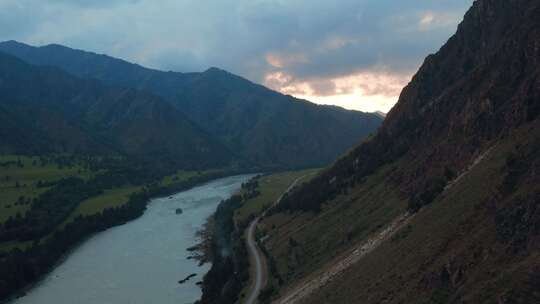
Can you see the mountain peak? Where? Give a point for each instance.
(214, 70)
(56, 45)
(14, 44)
(246, 117)
(380, 114)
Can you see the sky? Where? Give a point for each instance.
(357, 54)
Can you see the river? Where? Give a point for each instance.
(141, 261)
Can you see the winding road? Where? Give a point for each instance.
(257, 262)
(257, 259)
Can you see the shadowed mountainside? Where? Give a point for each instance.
(265, 127)
(459, 156)
(46, 110)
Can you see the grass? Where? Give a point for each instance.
(391, 273)
(271, 187)
(318, 238)
(8, 246)
(457, 230)
(21, 181)
(180, 176)
(117, 197)
(109, 199)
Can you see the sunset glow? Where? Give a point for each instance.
(364, 91)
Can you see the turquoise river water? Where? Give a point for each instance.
(142, 261)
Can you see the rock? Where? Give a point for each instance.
(187, 278)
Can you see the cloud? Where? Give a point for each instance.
(93, 3)
(363, 90)
(287, 42)
(284, 60)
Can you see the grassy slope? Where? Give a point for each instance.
(109, 199)
(271, 187)
(27, 177)
(323, 236)
(457, 231)
(396, 265)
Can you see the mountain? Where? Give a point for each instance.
(381, 114)
(46, 110)
(442, 205)
(263, 126)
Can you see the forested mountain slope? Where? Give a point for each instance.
(459, 155)
(265, 127)
(46, 110)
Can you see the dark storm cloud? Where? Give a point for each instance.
(93, 3)
(356, 35)
(315, 40)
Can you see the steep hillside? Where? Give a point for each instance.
(264, 126)
(458, 157)
(482, 84)
(46, 110)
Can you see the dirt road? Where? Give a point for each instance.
(257, 259)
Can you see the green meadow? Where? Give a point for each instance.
(24, 178)
(271, 187)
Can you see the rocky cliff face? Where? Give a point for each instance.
(481, 85)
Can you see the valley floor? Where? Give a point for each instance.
(48, 204)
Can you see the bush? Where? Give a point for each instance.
(432, 188)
